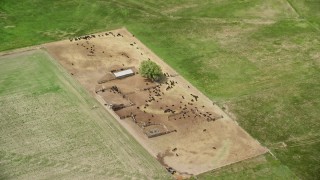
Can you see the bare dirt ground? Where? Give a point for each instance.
(200, 136)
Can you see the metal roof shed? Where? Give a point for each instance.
(124, 73)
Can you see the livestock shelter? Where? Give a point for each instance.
(124, 73)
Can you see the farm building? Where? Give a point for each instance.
(124, 73)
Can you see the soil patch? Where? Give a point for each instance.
(170, 115)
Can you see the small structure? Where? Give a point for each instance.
(124, 73)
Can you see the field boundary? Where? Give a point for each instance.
(20, 50)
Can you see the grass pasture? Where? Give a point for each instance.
(258, 58)
(49, 128)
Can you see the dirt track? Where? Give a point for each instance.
(198, 145)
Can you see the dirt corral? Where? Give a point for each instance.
(174, 121)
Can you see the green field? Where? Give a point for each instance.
(50, 130)
(259, 58)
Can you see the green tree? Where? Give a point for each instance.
(150, 70)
